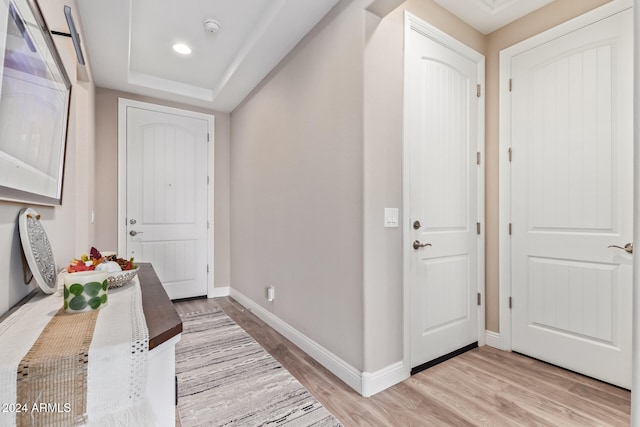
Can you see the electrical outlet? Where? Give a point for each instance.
(271, 293)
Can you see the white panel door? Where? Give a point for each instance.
(167, 198)
(441, 130)
(572, 197)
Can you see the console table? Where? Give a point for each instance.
(165, 328)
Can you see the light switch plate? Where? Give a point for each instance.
(391, 217)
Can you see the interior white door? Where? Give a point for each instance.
(167, 197)
(572, 197)
(442, 133)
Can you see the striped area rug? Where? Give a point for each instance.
(225, 378)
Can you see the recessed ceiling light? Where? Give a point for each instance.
(182, 48)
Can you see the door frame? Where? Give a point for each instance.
(123, 104)
(413, 24)
(504, 340)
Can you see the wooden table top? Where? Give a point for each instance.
(163, 321)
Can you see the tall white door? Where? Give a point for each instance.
(442, 116)
(572, 197)
(167, 205)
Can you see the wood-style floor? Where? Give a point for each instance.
(483, 387)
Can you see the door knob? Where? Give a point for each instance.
(134, 232)
(627, 248)
(418, 245)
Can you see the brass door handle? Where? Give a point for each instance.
(627, 248)
(418, 245)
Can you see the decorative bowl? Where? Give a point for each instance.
(120, 278)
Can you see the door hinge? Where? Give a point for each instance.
(207, 268)
(479, 298)
(478, 228)
(208, 180)
(208, 137)
(479, 91)
(510, 302)
(208, 225)
(510, 228)
(478, 158)
(510, 151)
(510, 85)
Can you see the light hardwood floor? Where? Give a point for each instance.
(483, 387)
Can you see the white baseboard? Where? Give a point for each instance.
(492, 339)
(365, 383)
(375, 382)
(219, 291)
(347, 373)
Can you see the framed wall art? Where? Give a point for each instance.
(35, 95)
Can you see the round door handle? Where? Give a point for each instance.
(418, 245)
(134, 232)
(627, 248)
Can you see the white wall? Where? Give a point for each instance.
(296, 187)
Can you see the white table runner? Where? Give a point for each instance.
(116, 372)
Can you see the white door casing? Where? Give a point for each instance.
(443, 175)
(166, 207)
(571, 192)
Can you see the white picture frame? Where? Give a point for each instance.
(35, 94)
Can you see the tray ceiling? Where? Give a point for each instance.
(487, 16)
(129, 44)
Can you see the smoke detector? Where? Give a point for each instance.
(211, 25)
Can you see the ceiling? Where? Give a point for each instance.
(129, 43)
(487, 16)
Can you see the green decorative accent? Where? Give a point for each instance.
(92, 288)
(95, 302)
(76, 289)
(78, 302)
(79, 297)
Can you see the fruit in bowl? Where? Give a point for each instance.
(119, 270)
(109, 266)
(96, 261)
